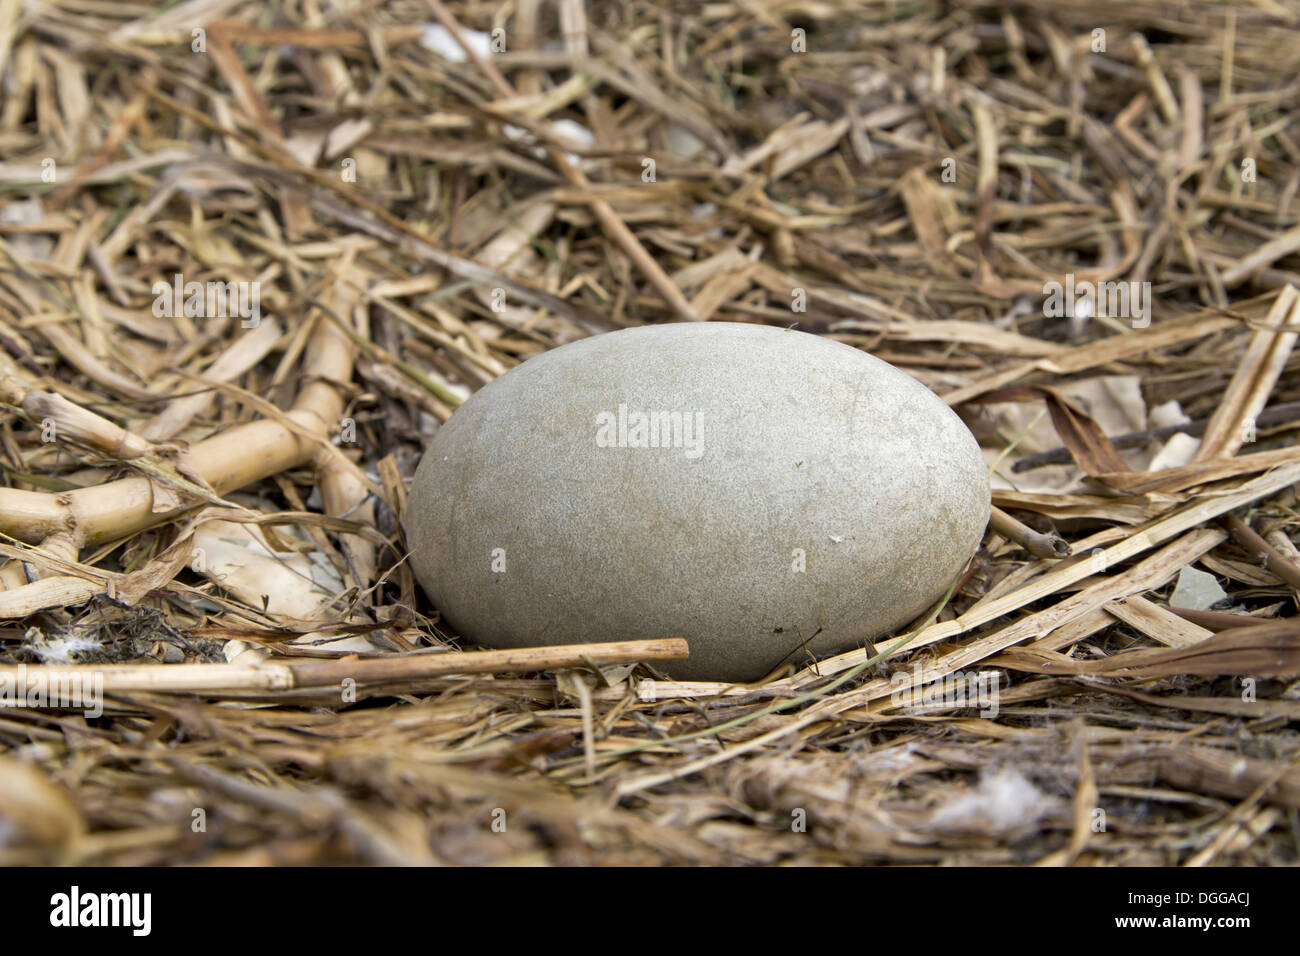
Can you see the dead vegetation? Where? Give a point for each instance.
(211, 504)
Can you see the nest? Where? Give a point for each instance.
(251, 255)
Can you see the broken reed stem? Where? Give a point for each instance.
(225, 678)
(1218, 620)
(1281, 414)
(1270, 558)
(71, 421)
(1035, 542)
(237, 457)
(440, 392)
(1258, 371)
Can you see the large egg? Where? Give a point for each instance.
(771, 496)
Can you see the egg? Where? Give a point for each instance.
(770, 495)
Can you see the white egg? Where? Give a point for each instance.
(678, 480)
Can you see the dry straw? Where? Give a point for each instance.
(202, 512)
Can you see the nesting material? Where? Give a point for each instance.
(910, 180)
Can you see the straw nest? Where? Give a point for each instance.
(203, 506)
